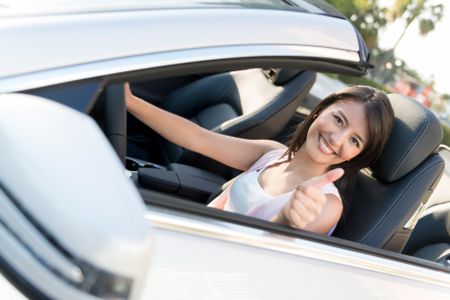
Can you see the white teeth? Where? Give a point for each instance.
(323, 146)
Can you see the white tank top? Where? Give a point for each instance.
(246, 195)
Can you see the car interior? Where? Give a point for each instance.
(430, 239)
(253, 103)
(393, 195)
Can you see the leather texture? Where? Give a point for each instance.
(431, 236)
(439, 253)
(380, 210)
(417, 133)
(432, 228)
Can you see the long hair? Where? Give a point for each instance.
(380, 120)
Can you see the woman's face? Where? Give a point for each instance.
(338, 134)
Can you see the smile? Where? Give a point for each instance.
(324, 147)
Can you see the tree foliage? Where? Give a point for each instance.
(369, 17)
(409, 11)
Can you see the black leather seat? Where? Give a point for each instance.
(387, 201)
(430, 238)
(252, 103)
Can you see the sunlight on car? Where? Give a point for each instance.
(218, 149)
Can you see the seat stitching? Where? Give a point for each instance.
(383, 220)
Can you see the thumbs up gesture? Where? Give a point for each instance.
(307, 201)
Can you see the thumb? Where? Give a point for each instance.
(328, 177)
(334, 174)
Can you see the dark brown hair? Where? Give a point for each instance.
(380, 120)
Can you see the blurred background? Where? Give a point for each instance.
(408, 43)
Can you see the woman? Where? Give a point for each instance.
(290, 185)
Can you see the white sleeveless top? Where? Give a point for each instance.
(246, 195)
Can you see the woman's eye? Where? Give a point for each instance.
(355, 142)
(338, 120)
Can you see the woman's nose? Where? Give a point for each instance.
(337, 137)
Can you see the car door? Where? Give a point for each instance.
(197, 257)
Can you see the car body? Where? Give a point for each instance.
(70, 55)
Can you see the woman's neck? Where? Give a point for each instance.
(304, 167)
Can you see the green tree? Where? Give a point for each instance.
(408, 11)
(368, 17)
(425, 13)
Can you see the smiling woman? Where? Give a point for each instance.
(290, 185)
(341, 131)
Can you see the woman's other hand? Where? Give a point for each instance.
(129, 98)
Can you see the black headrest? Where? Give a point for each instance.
(280, 76)
(416, 134)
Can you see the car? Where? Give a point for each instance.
(97, 206)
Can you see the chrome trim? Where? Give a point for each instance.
(414, 218)
(258, 238)
(443, 147)
(127, 64)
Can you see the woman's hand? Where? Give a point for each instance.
(307, 201)
(129, 97)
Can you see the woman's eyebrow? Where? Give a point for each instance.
(342, 114)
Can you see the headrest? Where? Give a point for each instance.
(280, 76)
(416, 134)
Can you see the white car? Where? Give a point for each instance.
(94, 205)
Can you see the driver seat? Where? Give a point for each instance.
(389, 198)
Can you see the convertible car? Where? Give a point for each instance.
(95, 205)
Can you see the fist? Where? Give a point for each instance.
(308, 200)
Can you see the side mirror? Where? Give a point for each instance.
(71, 224)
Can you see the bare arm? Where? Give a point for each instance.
(235, 152)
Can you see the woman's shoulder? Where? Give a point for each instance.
(269, 157)
(274, 153)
